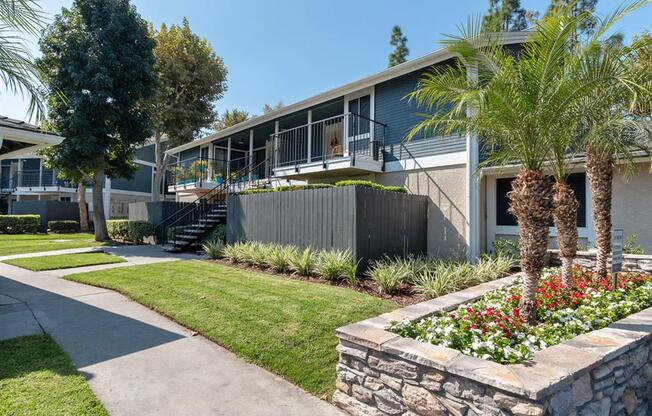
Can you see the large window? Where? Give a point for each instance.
(577, 182)
(362, 107)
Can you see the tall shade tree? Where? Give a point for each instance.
(401, 51)
(99, 56)
(507, 16)
(230, 118)
(515, 105)
(17, 70)
(577, 8)
(191, 77)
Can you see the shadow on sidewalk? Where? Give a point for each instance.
(87, 332)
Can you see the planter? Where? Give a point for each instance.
(631, 262)
(604, 372)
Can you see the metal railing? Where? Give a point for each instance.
(171, 227)
(347, 135)
(35, 179)
(198, 171)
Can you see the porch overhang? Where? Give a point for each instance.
(329, 169)
(18, 138)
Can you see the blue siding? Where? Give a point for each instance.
(190, 153)
(147, 153)
(401, 115)
(141, 182)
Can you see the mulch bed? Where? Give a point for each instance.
(404, 296)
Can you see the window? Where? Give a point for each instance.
(577, 182)
(65, 199)
(362, 107)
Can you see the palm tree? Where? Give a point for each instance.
(17, 70)
(516, 105)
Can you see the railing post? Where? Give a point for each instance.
(355, 134)
(309, 136)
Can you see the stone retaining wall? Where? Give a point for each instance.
(586, 259)
(605, 372)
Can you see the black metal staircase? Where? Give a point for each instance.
(187, 227)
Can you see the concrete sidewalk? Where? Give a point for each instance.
(138, 362)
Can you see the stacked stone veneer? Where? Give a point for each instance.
(631, 262)
(605, 372)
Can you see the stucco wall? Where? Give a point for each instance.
(446, 190)
(632, 205)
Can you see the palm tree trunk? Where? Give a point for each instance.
(565, 208)
(83, 208)
(531, 203)
(599, 169)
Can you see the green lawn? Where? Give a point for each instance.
(284, 325)
(38, 378)
(64, 261)
(31, 243)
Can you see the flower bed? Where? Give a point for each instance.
(492, 329)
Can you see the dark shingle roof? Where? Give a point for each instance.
(12, 123)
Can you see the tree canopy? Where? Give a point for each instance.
(507, 15)
(191, 77)
(230, 118)
(98, 65)
(401, 51)
(268, 108)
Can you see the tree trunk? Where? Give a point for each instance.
(161, 165)
(101, 233)
(531, 203)
(599, 169)
(565, 208)
(83, 208)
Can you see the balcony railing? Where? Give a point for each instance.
(348, 135)
(35, 180)
(200, 171)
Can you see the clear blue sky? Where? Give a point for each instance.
(288, 50)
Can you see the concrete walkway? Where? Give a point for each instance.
(138, 362)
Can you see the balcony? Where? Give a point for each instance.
(341, 145)
(41, 181)
(199, 174)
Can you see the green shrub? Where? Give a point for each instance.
(335, 264)
(504, 246)
(437, 281)
(284, 188)
(234, 252)
(217, 233)
(19, 224)
(213, 249)
(129, 231)
(370, 184)
(278, 257)
(389, 274)
(631, 246)
(492, 267)
(303, 262)
(64, 226)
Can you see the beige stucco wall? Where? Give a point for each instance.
(446, 189)
(632, 204)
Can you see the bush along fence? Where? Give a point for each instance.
(64, 226)
(445, 357)
(368, 221)
(129, 231)
(19, 224)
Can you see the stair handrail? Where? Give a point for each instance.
(194, 205)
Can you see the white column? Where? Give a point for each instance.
(211, 161)
(309, 135)
(228, 159)
(107, 198)
(472, 184)
(40, 174)
(20, 172)
(251, 154)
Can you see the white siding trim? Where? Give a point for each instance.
(435, 161)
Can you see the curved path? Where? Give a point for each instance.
(138, 362)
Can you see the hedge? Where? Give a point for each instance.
(19, 224)
(130, 231)
(63, 226)
(368, 184)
